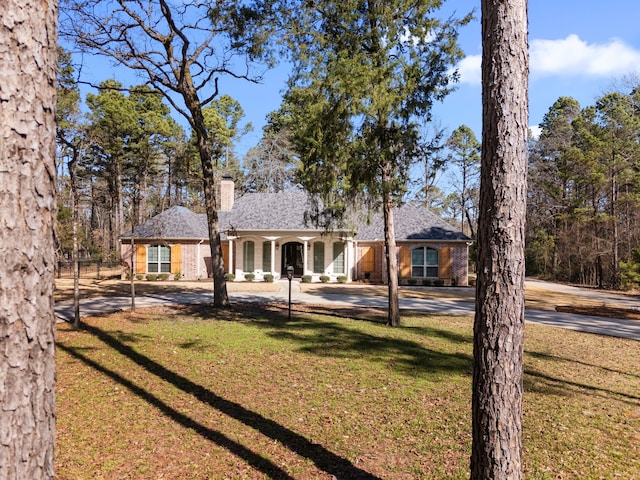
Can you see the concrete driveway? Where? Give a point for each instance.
(598, 325)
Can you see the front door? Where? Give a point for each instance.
(293, 254)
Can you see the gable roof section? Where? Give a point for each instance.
(284, 211)
(268, 211)
(412, 223)
(174, 223)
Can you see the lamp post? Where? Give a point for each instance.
(290, 277)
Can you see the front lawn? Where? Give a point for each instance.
(193, 393)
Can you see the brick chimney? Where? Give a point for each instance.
(226, 193)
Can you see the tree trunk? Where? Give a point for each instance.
(615, 243)
(73, 164)
(118, 212)
(190, 97)
(220, 296)
(472, 232)
(27, 199)
(144, 183)
(393, 315)
(499, 319)
(132, 273)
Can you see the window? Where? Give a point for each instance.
(318, 257)
(424, 262)
(266, 256)
(247, 256)
(159, 259)
(338, 258)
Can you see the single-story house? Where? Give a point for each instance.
(263, 233)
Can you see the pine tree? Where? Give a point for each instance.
(365, 72)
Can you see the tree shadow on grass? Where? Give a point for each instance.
(557, 358)
(461, 338)
(326, 338)
(324, 459)
(336, 339)
(548, 385)
(329, 339)
(255, 460)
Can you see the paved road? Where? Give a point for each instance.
(606, 297)
(598, 325)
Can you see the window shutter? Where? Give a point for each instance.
(176, 259)
(445, 263)
(141, 259)
(405, 262)
(225, 258)
(368, 259)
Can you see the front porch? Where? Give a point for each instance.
(309, 256)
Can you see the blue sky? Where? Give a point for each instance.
(578, 48)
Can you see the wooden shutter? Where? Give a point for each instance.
(368, 259)
(444, 257)
(225, 258)
(176, 259)
(405, 262)
(141, 259)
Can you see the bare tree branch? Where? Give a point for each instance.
(180, 49)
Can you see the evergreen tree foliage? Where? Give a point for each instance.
(464, 155)
(271, 165)
(584, 192)
(364, 73)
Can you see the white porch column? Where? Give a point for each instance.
(305, 256)
(347, 259)
(230, 267)
(273, 257)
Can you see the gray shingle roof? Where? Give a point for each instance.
(174, 223)
(284, 211)
(412, 223)
(268, 211)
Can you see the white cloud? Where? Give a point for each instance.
(469, 69)
(567, 57)
(572, 56)
(535, 131)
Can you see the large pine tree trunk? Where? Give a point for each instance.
(499, 320)
(28, 31)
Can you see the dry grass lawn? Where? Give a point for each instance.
(242, 393)
(193, 393)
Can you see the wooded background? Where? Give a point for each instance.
(134, 161)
